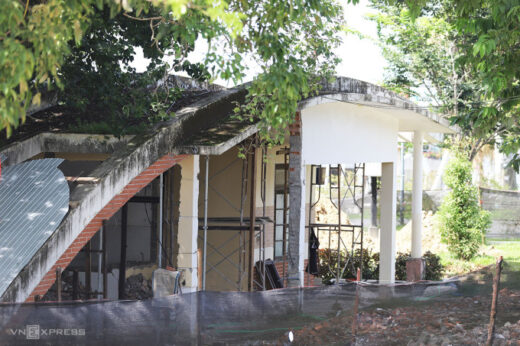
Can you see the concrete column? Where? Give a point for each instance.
(387, 222)
(415, 265)
(417, 194)
(296, 250)
(189, 221)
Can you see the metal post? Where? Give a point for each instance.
(339, 225)
(494, 303)
(401, 209)
(309, 229)
(75, 279)
(88, 271)
(58, 282)
(263, 195)
(100, 258)
(105, 283)
(205, 224)
(161, 178)
(362, 218)
(252, 217)
(241, 240)
(122, 261)
(284, 232)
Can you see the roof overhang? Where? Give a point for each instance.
(410, 116)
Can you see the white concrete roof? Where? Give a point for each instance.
(369, 98)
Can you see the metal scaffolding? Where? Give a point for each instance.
(346, 187)
(241, 229)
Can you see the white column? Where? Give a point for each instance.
(189, 221)
(387, 222)
(417, 194)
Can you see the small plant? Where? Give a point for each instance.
(462, 222)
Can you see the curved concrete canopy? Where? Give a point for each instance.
(375, 99)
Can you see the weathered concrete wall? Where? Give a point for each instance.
(129, 169)
(504, 207)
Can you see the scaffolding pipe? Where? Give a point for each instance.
(105, 281)
(100, 254)
(205, 225)
(401, 207)
(252, 217)
(161, 179)
(122, 260)
(339, 225)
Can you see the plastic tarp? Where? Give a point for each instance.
(201, 317)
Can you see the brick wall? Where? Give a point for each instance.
(139, 182)
(308, 278)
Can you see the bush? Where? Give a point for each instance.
(328, 265)
(328, 259)
(434, 269)
(462, 222)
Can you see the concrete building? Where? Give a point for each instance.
(181, 196)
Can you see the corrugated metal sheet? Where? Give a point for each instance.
(34, 198)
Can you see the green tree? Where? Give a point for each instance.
(462, 221)
(425, 60)
(486, 34)
(43, 43)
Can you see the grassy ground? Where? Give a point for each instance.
(509, 249)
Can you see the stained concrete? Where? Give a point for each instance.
(130, 156)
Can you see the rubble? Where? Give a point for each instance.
(137, 287)
(446, 321)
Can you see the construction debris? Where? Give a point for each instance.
(451, 321)
(137, 287)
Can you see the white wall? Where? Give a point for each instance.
(339, 132)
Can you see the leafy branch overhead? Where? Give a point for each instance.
(462, 58)
(84, 48)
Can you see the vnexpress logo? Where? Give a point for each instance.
(34, 332)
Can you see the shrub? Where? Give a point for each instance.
(434, 269)
(462, 222)
(328, 259)
(328, 265)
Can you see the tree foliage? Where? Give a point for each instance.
(462, 221)
(482, 36)
(427, 59)
(84, 47)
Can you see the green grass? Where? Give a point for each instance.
(510, 250)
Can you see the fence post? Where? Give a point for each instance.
(496, 282)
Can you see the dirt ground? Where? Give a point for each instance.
(448, 321)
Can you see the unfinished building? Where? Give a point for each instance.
(182, 198)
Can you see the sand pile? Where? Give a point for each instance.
(326, 212)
